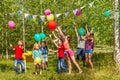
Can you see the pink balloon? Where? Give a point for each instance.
(47, 12)
(11, 24)
(78, 12)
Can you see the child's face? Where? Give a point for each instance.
(59, 42)
(20, 43)
(43, 44)
(37, 47)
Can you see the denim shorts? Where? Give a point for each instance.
(88, 51)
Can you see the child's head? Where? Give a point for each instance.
(20, 43)
(60, 41)
(69, 38)
(43, 43)
(36, 46)
(92, 35)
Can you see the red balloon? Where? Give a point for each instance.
(52, 25)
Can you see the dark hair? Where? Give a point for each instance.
(44, 42)
(69, 38)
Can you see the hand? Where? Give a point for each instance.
(50, 35)
(74, 23)
(86, 26)
(10, 45)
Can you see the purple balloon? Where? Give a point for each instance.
(47, 12)
(11, 24)
(78, 12)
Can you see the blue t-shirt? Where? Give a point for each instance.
(44, 50)
(37, 54)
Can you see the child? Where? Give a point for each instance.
(18, 57)
(66, 43)
(89, 49)
(37, 54)
(44, 50)
(81, 45)
(61, 49)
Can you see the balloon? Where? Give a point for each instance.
(52, 25)
(107, 13)
(37, 37)
(47, 12)
(81, 31)
(42, 35)
(11, 24)
(50, 17)
(37, 60)
(78, 12)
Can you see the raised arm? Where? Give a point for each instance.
(54, 34)
(75, 29)
(53, 41)
(86, 28)
(60, 32)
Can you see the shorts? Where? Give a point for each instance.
(88, 51)
(80, 53)
(70, 53)
(44, 58)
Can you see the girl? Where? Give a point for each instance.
(44, 50)
(18, 57)
(89, 49)
(66, 43)
(81, 45)
(37, 54)
(61, 49)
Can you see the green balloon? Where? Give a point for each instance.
(81, 31)
(107, 13)
(37, 37)
(42, 35)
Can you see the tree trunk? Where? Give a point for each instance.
(116, 36)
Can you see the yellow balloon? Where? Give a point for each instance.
(37, 60)
(50, 17)
(45, 23)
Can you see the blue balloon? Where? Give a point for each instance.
(37, 37)
(81, 31)
(42, 35)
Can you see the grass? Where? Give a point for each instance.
(104, 69)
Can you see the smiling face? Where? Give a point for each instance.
(36, 46)
(20, 43)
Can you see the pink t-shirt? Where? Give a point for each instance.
(66, 45)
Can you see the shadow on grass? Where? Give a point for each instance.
(5, 67)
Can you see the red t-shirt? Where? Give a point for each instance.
(18, 52)
(61, 50)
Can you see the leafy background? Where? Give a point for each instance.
(101, 25)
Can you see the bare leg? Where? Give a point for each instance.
(75, 63)
(69, 65)
(90, 62)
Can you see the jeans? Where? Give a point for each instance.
(16, 62)
(61, 65)
(80, 52)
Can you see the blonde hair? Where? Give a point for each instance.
(21, 42)
(35, 45)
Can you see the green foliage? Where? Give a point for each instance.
(92, 16)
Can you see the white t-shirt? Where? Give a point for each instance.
(81, 43)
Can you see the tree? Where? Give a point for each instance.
(116, 36)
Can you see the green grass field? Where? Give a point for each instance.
(104, 69)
